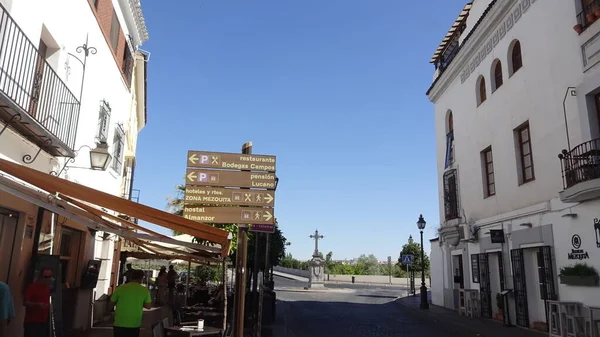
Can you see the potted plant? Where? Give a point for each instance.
(578, 28)
(579, 274)
(591, 17)
(499, 315)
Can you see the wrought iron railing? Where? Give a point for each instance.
(589, 14)
(30, 83)
(580, 164)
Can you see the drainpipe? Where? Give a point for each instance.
(573, 92)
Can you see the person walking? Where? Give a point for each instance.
(37, 305)
(130, 299)
(171, 282)
(161, 285)
(127, 273)
(7, 308)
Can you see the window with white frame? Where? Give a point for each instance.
(103, 122)
(118, 148)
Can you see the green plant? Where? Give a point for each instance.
(578, 269)
(500, 301)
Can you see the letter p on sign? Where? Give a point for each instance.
(204, 159)
(203, 177)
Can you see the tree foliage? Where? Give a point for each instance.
(363, 265)
(414, 249)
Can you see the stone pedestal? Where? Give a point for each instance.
(317, 273)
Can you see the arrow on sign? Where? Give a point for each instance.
(268, 216)
(268, 198)
(193, 158)
(191, 176)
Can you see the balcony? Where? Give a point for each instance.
(34, 101)
(581, 172)
(589, 14)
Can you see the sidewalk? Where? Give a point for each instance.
(464, 325)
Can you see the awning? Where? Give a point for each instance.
(76, 192)
(454, 29)
(167, 247)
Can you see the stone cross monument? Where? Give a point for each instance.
(317, 265)
(316, 237)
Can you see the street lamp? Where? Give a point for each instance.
(100, 157)
(424, 301)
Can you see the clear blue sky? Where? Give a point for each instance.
(334, 88)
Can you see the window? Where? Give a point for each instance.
(526, 158)
(118, 147)
(488, 169)
(127, 65)
(451, 195)
(449, 141)
(498, 81)
(516, 57)
(114, 31)
(481, 93)
(103, 122)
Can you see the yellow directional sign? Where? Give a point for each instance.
(228, 196)
(243, 215)
(231, 161)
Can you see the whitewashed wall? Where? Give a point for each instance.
(551, 55)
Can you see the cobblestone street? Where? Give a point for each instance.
(371, 311)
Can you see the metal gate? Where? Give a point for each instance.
(485, 286)
(547, 284)
(520, 288)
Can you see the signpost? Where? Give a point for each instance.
(233, 188)
(407, 260)
(199, 177)
(231, 161)
(228, 196)
(251, 215)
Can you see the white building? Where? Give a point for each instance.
(53, 109)
(514, 85)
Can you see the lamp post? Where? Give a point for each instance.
(424, 301)
(100, 157)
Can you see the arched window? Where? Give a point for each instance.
(481, 93)
(516, 58)
(498, 80)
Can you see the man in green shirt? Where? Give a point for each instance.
(130, 299)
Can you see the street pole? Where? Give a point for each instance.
(424, 300)
(390, 267)
(257, 237)
(240, 269)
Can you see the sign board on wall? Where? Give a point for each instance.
(577, 253)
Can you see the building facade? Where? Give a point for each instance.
(514, 87)
(72, 82)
